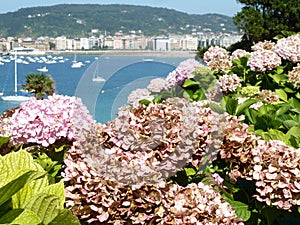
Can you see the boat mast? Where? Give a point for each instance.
(16, 78)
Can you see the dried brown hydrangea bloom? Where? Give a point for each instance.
(294, 77)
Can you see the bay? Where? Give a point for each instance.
(122, 74)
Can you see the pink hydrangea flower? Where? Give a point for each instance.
(46, 121)
(264, 60)
(289, 48)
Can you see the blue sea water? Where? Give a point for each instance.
(123, 74)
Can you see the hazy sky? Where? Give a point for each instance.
(226, 7)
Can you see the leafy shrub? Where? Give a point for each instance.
(26, 195)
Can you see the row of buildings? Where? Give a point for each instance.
(122, 42)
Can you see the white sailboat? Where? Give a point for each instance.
(96, 76)
(17, 97)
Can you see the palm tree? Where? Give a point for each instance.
(40, 84)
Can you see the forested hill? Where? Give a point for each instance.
(79, 19)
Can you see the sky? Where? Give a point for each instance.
(225, 7)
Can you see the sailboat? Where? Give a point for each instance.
(96, 76)
(18, 96)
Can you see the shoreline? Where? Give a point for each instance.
(147, 53)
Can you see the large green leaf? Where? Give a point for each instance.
(20, 216)
(45, 206)
(274, 134)
(231, 106)
(281, 94)
(241, 107)
(65, 217)
(57, 189)
(288, 124)
(11, 188)
(190, 83)
(216, 108)
(16, 163)
(3, 172)
(241, 209)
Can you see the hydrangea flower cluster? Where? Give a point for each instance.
(157, 85)
(263, 60)
(137, 95)
(238, 53)
(96, 200)
(218, 59)
(184, 71)
(278, 181)
(46, 121)
(263, 45)
(5, 123)
(229, 82)
(289, 48)
(294, 77)
(268, 96)
(149, 143)
(250, 91)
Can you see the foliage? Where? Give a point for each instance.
(78, 20)
(26, 195)
(39, 84)
(263, 20)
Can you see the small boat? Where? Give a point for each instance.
(43, 69)
(96, 76)
(18, 96)
(77, 65)
(98, 79)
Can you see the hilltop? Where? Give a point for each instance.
(78, 20)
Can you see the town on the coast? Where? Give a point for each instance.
(135, 40)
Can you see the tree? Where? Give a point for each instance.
(264, 19)
(39, 84)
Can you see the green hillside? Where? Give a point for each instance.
(77, 20)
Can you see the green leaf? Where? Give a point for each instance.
(20, 216)
(45, 206)
(288, 90)
(11, 188)
(281, 94)
(4, 140)
(57, 189)
(190, 83)
(190, 171)
(294, 131)
(61, 148)
(241, 107)
(282, 110)
(145, 102)
(199, 95)
(216, 108)
(251, 115)
(16, 163)
(65, 217)
(274, 135)
(231, 106)
(3, 172)
(241, 209)
(188, 94)
(288, 124)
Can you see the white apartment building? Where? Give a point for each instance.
(190, 43)
(161, 44)
(175, 43)
(61, 43)
(84, 43)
